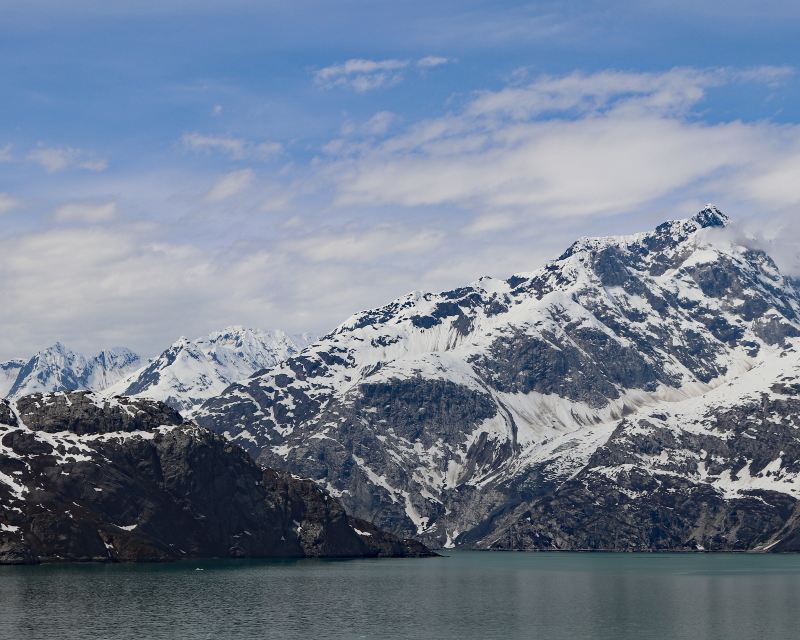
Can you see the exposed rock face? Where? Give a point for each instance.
(445, 416)
(82, 478)
(721, 472)
(83, 413)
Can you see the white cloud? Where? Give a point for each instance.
(86, 212)
(6, 154)
(353, 133)
(7, 203)
(379, 123)
(230, 185)
(93, 165)
(266, 150)
(490, 222)
(364, 246)
(432, 61)
(673, 91)
(363, 75)
(236, 148)
(277, 200)
(99, 286)
(55, 159)
(577, 145)
(496, 185)
(90, 284)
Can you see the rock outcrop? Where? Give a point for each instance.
(716, 473)
(90, 479)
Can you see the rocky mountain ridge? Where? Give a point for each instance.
(184, 375)
(451, 416)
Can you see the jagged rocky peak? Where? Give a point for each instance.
(711, 216)
(659, 244)
(187, 372)
(436, 412)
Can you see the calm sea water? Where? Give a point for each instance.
(466, 595)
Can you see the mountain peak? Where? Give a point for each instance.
(500, 385)
(711, 216)
(190, 371)
(57, 347)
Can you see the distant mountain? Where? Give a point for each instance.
(58, 368)
(638, 392)
(9, 371)
(191, 371)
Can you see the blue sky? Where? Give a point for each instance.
(172, 167)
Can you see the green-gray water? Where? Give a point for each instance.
(466, 595)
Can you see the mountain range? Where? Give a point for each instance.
(639, 392)
(58, 368)
(184, 375)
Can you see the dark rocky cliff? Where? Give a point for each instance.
(127, 480)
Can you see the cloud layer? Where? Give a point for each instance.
(580, 145)
(495, 182)
(56, 159)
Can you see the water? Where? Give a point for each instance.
(467, 595)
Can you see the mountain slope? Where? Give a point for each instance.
(82, 478)
(9, 371)
(717, 472)
(190, 371)
(58, 368)
(439, 415)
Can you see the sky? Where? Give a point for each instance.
(174, 167)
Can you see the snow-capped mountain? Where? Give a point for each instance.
(9, 371)
(191, 371)
(58, 368)
(473, 415)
